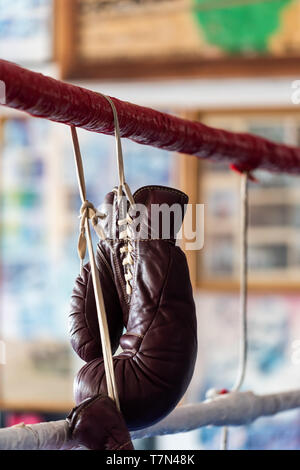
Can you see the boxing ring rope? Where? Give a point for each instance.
(51, 99)
(233, 409)
(48, 98)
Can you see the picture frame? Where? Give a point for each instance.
(273, 250)
(164, 40)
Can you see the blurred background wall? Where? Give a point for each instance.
(230, 64)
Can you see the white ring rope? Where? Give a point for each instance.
(232, 409)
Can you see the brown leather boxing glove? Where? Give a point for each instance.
(98, 425)
(160, 344)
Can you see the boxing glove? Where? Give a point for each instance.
(152, 286)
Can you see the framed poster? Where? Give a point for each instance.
(273, 234)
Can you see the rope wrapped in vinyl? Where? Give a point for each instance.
(45, 97)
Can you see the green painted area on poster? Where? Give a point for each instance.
(240, 29)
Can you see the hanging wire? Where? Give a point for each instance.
(243, 347)
(89, 212)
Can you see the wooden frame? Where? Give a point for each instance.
(74, 67)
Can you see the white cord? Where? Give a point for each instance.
(88, 212)
(243, 353)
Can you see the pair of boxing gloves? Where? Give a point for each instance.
(147, 291)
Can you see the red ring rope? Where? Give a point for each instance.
(52, 99)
